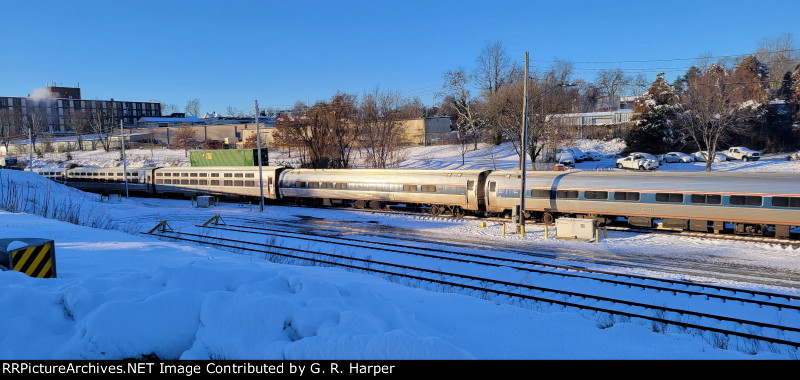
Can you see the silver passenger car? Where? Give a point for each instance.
(752, 203)
(451, 191)
(110, 180)
(218, 180)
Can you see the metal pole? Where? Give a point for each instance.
(260, 173)
(124, 158)
(524, 150)
(30, 147)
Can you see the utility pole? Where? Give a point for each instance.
(260, 173)
(30, 146)
(524, 152)
(124, 158)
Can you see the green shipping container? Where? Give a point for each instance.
(228, 157)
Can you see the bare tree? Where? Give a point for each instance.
(380, 129)
(232, 111)
(168, 109)
(458, 98)
(186, 139)
(80, 122)
(494, 68)
(101, 124)
(11, 126)
(781, 54)
(713, 103)
(611, 83)
(192, 107)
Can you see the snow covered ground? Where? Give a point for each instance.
(127, 296)
(120, 295)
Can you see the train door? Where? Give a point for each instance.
(471, 197)
(492, 187)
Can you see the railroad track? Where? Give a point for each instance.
(771, 333)
(553, 269)
(683, 266)
(703, 235)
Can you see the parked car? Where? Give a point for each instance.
(578, 154)
(575, 154)
(634, 162)
(565, 158)
(594, 156)
(742, 153)
(794, 156)
(702, 156)
(677, 157)
(646, 156)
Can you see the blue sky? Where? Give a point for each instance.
(231, 52)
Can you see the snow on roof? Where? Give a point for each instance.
(602, 113)
(170, 119)
(210, 115)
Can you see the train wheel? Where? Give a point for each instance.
(548, 218)
(436, 210)
(458, 212)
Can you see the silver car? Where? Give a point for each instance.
(677, 157)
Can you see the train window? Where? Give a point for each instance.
(215, 174)
(228, 175)
(669, 197)
(410, 188)
(508, 193)
(214, 182)
(745, 200)
(250, 183)
(567, 194)
(326, 185)
(457, 190)
(165, 174)
(249, 175)
(193, 182)
(537, 193)
(711, 199)
(313, 185)
(95, 174)
(238, 175)
(184, 174)
(339, 185)
(299, 185)
(204, 174)
(492, 186)
(203, 182)
(159, 181)
(428, 188)
(626, 196)
(786, 202)
(157, 174)
(184, 182)
(238, 182)
(227, 182)
(193, 175)
(471, 185)
(595, 194)
(167, 181)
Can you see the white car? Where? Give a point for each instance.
(742, 153)
(793, 157)
(673, 157)
(566, 159)
(578, 154)
(702, 155)
(646, 156)
(634, 162)
(594, 156)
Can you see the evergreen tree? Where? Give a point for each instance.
(751, 91)
(653, 129)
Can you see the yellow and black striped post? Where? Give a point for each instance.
(37, 259)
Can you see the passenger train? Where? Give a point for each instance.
(742, 203)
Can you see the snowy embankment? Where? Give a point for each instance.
(124, 296)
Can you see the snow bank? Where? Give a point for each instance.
(124, 296)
